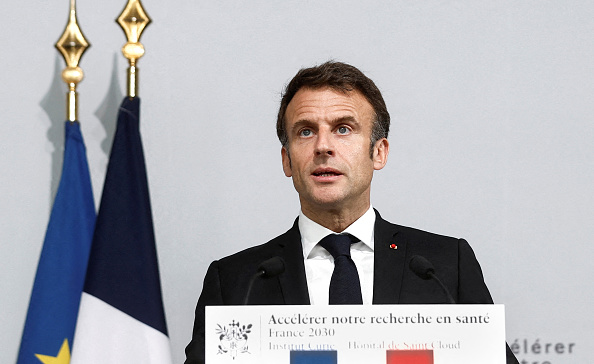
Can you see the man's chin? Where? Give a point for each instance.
(325, 202)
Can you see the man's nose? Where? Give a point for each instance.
(324, 144)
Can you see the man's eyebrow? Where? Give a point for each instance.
(345, 119)
(301, 123)
(340, 120)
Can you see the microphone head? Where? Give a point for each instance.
(272, 267)
(421, 267)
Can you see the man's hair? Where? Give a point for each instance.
(340, 77)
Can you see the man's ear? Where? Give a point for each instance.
(286, 162)
(381, 149)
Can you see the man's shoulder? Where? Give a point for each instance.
(261, 252)
(412, 233)
(438, 248)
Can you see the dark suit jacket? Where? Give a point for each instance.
(227, 279)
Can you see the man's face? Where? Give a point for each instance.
(328, 155)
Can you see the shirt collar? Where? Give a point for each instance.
(312, 232)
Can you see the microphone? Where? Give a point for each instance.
(424, 270)
(267, 269)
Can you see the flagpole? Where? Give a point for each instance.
(133, 20)
(72, 44)
(49, 328)
(122, 316)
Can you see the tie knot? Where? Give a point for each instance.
(338, 244)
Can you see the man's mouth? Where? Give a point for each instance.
(326, 173)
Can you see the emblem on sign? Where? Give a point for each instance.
(233, 339)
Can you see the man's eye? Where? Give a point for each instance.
(343, 130)
(305, 133)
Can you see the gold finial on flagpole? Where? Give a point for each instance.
(133, 20)
(72, 44)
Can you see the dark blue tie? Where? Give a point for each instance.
(345, 287)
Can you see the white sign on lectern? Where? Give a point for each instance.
(344, 334)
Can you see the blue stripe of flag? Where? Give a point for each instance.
(313, 357)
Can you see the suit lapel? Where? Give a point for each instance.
(293, 282)
(389, 262)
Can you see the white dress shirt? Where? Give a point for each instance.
(319, 263)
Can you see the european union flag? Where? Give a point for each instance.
(53, 308)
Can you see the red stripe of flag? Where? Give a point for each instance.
(409, 357)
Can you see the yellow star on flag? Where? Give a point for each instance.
(62, 358)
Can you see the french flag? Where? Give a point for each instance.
(121, 317)
(392, 357)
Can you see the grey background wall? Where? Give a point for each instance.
(492, 138)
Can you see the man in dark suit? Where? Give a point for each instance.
(333, 126)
